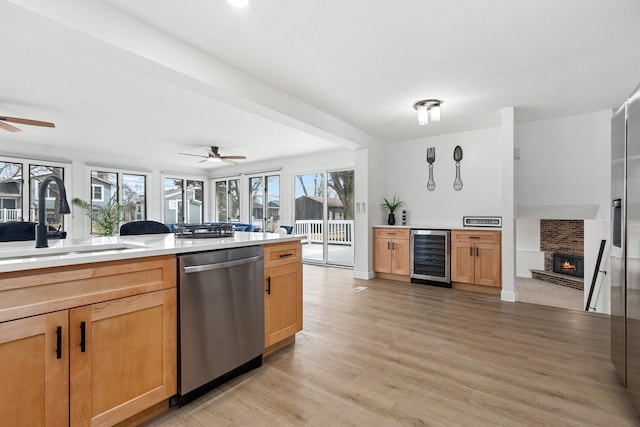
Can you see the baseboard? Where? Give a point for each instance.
(277, 346)
(364, 275)
(396, 277)
(508, 296)
(491, 290)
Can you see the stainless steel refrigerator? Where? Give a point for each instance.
(625, 248)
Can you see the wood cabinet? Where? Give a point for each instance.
(391, 254)
(476, 260)
(123, 357)
(283, 292)
(34, 360)
(106, 354)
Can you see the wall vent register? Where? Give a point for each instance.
(482, 221)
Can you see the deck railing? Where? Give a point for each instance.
(340, 232)
(10, 215)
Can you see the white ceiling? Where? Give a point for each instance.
(147, 79)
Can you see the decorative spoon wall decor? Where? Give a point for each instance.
(457, 156)
(431, 157)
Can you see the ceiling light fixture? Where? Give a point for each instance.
(238, 3)
(428, 109)
(213, 159)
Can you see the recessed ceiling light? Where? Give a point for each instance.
(238, 3)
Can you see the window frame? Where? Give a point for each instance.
(216, 209)
(28, 212)
(94, 187)
(265, 197)
(182, 214)
(120, 173)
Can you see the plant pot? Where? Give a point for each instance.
(392, 219)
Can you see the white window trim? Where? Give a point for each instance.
(206, 188)
(101, 187)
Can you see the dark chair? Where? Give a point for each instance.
(135, 228)
(17, 231)
(243, 227)
(21, 231)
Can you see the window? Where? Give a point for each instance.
(264, 202)
(37, 173)
(228, 200)
(11, 191)
(128, 189)
(97, 193)
(183, 201)
(134, 204)
(19, 202)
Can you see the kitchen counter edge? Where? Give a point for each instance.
(139, 247)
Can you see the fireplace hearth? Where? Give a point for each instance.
(571, 265)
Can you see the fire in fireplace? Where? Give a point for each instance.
(571, 265)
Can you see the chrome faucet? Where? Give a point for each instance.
(42, 227)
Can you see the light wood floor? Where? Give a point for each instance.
(412, 355)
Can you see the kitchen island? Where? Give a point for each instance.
(17, 256)
(88, 327)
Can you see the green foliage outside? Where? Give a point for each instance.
(105, 220)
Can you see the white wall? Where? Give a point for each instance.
(528, 253)
(564, 172)
(564, 161)
(481, 173)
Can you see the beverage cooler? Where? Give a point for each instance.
(431, 257)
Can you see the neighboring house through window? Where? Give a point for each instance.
(97, 193)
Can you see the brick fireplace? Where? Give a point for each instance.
(565, 239)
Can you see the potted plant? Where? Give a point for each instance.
(392, 206)
(106, 219)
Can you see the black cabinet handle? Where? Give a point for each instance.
(474, 237)
(388, 246)
(285, 255)
(477, 252)
(83, 342)
(268, 285)
(470, 250)
(59, 342)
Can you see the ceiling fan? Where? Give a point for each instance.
(8, 127)
(214, 156)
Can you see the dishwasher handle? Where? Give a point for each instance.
(219, 265)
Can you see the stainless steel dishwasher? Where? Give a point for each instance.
(221, 317)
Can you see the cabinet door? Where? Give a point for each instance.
(283, 302)
(34, 390)
(401, 263)
(128, 361)
(488, 270)
(382, 256)
(462, 262)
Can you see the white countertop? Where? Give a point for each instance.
(425, 227)
(17, 256)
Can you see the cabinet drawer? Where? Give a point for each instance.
(282, 253)
(393, 233)
(474, 236)
(32, 292)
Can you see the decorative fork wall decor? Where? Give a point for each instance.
(431, 158)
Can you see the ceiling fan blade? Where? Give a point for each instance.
(27, 121)
(203, 160)
(234, 157)
(194, 155)
(8, 127)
